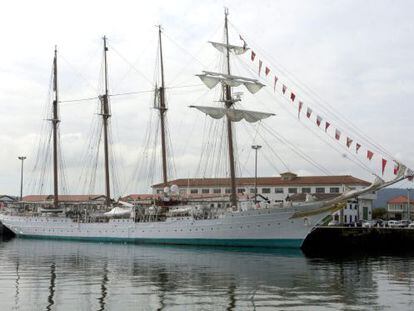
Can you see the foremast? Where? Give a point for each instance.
(229, 102)
(55, 124)
(106, 114)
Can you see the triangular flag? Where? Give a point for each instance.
(337, 134)
(327, 124)
(308, 112)
(267, 71)
(284, 89)
(274, 84)
(292, 96)
(357, 146)
(299, 108)
(396, 168)
(318, 120)
(348, 142)
(370, 154)
(384, 163)
(253, 56)
(260, 66)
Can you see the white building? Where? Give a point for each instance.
(278, 189)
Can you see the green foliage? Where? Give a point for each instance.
(380, 212)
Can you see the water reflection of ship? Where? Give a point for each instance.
(163, 276)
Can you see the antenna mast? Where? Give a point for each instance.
(162, 108)
(229, 102)
(55, 122)
(105, 116)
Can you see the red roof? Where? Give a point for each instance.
(193, 196)
(267, 181)
(402, 199)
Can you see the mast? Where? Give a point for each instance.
(229, 102)
(55, 122)
(162, 108)
(105, 116)
(227, 81)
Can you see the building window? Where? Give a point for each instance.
(194, 191)
(241, 190)
(320, 190)
(345, 218)
(278, 190)
(159, 191)
(217, 190)
(228, 190)
(334, 190)
(252, 190)
(293, 190)
(205, 190)
(265, 190)
(306, 190)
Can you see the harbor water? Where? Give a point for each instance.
(56, 275)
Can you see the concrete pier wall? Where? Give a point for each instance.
(333, 240)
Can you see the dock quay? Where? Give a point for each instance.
(343, 240)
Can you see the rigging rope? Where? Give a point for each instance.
(328, 108)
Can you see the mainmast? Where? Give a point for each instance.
(229, 102)
(105, 113)
(162, 108)
(55, 122)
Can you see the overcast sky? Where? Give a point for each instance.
(355, 55)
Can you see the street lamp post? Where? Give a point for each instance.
(255, 147)
(21, 158)
(408, 204)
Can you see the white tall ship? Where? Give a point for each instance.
(245, 223)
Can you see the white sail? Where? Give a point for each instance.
(211, 79)
(234, 115)
(222, 47)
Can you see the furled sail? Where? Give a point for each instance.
(211, 79)
(118, 211)
(234, 115)
(222, 47)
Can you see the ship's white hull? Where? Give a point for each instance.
(272, 227)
